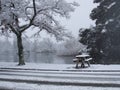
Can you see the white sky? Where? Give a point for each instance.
(80, 18)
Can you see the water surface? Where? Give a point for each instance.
(48, 58)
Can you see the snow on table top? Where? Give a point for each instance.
(58, 66)
(83, 55)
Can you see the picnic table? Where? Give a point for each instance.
(82, 59)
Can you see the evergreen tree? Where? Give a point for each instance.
(94, 40)
(107, 31)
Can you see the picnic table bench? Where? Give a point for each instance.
(82, 59)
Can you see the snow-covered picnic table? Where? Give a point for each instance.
(82, 59)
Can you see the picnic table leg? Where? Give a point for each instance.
(77, 64)
(82, 64)
(88, 64)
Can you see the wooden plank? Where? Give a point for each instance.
(79, 56)
(88, 59)
(74, 60)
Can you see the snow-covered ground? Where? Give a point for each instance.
(34, 76)
(59, 66)
(25, 86)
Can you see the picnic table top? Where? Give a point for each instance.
(83, 55)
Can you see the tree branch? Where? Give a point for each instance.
(31, 21)
(34, 7)
(25, 27)
(13, 30)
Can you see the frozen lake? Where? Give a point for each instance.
(49, 58)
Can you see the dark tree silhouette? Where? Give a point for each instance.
(105, 40)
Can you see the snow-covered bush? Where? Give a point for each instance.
(43, 46)
(70, 47)
(46, 45)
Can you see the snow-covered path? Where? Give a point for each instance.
(26, 86)
(101, 79)
(53, 75)
(101, 76)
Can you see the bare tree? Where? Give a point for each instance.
(36, 13)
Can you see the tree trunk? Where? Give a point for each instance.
(20, 50)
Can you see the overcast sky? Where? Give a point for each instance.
(80, 18)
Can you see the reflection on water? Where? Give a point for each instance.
(38, 58)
